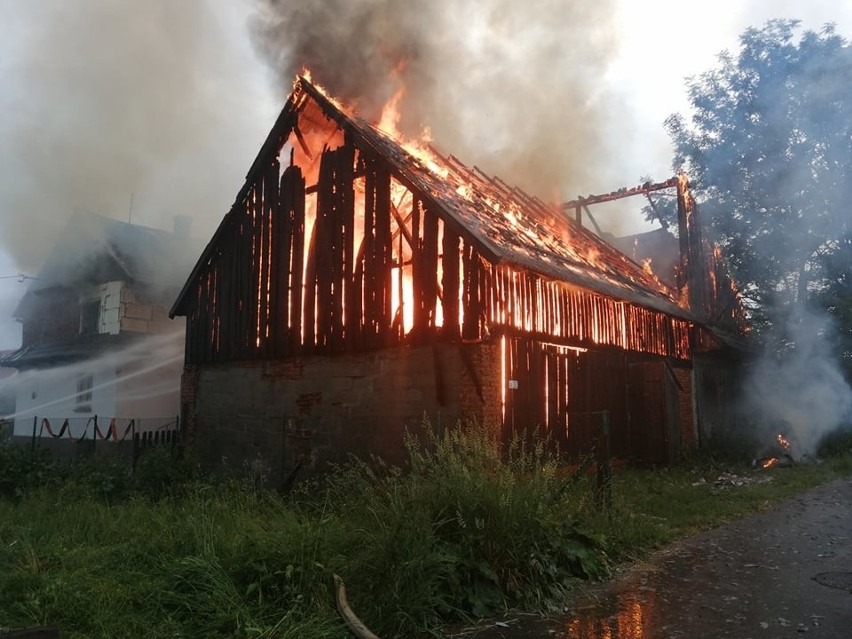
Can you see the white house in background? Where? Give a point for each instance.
(96, 336)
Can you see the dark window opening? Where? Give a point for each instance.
(84, 394)
(90, 315)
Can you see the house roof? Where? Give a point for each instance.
(140, 253)
(47, 355)
(5, 372)
(95, 249)
(506, 225)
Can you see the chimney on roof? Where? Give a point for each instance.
(182, 226)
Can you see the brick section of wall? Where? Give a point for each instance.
(140, 316)
(481, 385)
(270, 418)
(689, 435)
(188, 402)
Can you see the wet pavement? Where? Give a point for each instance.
(786, 572)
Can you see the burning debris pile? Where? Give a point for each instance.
(779, 454)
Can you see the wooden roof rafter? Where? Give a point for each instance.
(504, 224)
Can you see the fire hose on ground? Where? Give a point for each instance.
(355, 625)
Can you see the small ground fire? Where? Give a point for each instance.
(785, 448)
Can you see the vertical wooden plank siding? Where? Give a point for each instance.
(321, 256)
(421, 320)
(384, 251)
(450, 282)
(344, 178)
(296, 217)
(291, 193)
(251, 300)
(428, 276)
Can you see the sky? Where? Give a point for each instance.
(144, 114)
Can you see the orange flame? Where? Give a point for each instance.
(390, 116)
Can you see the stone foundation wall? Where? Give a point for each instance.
(282, 420)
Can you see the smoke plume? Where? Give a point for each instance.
(142, 109)
(511, 86)
(797, 388)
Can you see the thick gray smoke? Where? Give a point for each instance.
(109, 102)
(148, 371)
(768, 144)
(511, 86)
(797, 388)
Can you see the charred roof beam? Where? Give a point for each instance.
(642, 189)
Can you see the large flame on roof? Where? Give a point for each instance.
(514, 227)
(536, 230)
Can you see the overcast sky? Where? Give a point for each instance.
(183, 97)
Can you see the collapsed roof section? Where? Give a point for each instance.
(507, 225)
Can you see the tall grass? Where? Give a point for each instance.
(462, 529)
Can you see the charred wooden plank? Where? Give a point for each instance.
(342, 221)
(270, 188)
(277, 308)
(309, 323)
(302, 143)
(359, 293)
(450, 282)
(500, 296)
(370, 310)
(469, 292)
(256, 267)
(323, 256)
(350, 321)
(297, 262)
(429, 267)
(642, 189)
(398, 323)
(291, 197)
(245, 281)
(489, 293)
(535, 309)
(417, 269)
(336, 262)
(384, 249)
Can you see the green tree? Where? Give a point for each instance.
(768, 148)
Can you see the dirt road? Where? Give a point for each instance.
(786, 572)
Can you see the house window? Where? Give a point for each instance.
(84, 394)
(90, 315)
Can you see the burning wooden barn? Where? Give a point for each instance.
(357, 285)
